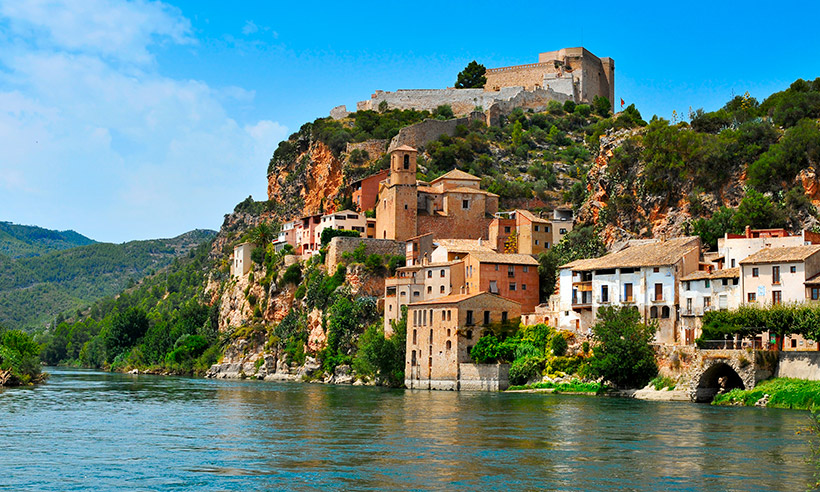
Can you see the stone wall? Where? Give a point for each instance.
(339, 112)
(462, 101)
(529, 76)
(340, 245)
(536, 100)
(484, 377)
(418, 134)
(801, 365)
(375, 148)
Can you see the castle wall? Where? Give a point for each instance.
(530, 77)
(419, 134)
(462, 101)
(375, 148)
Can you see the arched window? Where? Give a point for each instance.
(665, 312)
(431, 335)
(406, 161)
(449, 344)
(653, 312)
(415, 341)
(448, 332)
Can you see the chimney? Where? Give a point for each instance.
(748, 231)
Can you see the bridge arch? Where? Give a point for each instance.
(719, 377)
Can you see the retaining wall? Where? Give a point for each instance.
(340, 245)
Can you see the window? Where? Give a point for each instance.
(733, 262)
(510, 271)
(415, 334)
(734, 281)
(503, 316)
(794, 342)
(441, 290)
(536, 229)
(506, 229)
(512, 286)
(775, 275)
(469, 334)
(424, 318)
(562, 231)
(707, 283)
(658, 292)
(416, 294)
(815, 293)
(689, 305)
(449, 345)
(777, 297)
(415, 319)
(431, 335)
(486, 317)
(686, 286)
(536, 242)
(406, 161)
(653, 312)
(604, 293)
(627, 292)
(469, 319)
(523, 286)
(665, 312)
(444, 316)
(725, 281)
(429, 273)
(442, 273)
(755, 272)
(656, 269)
(707, 302)
(465, 203)
(496, 267)
(429, 289)
(449, 315)
(792, 269)
(751, 297)
(493, 286)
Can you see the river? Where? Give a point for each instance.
(90, 430)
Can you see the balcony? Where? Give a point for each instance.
(627, 300)
(658, 300)
(691, 312)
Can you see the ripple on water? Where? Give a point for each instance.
(92, 430)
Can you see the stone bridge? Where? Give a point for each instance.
(715, 371)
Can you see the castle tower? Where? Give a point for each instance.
(397, 208)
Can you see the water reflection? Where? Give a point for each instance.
(88, 429)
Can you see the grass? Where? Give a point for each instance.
(798, 394)
(661, 382)
(574, 386)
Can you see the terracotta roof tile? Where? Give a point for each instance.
(782, 254)
(653, 254)
(507, 259)
(457, 174)
(456, 298)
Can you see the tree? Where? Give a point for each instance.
(623, 355)
(126, 328)
(261, 234)
(19, 355)
(472, 77)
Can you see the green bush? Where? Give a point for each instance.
(328, 234)
(623, 355)
(19, 355)
(558, 345)
(293, 275)
(522, 370)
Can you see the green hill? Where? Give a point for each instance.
(17, 241)
(33, 290)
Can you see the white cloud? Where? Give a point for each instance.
(249, 28)
(95, 139)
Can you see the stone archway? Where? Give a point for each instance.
(719, 378)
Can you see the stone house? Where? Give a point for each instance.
(561, 224)
(732, 248)
(782, 275)
(241, 262)
(441, 333)
(451, 206)
(420, 282)
(533, 235)
(511, 276)
(703, 291)
(646, 276)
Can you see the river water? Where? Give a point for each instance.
(89, 430)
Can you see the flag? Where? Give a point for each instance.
(622, 102)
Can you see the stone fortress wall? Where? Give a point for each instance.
(569, 74)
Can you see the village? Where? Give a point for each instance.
(469, 266)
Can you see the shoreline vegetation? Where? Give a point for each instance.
(19, 359)
(795, 394)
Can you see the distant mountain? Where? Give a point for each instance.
(18, 241)
(34, 289)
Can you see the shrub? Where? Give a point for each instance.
(623, 355)
(525, 369)
(328, 234)
(293, 275)
(558, 345)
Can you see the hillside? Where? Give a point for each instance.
(17, 241)
(33, 290)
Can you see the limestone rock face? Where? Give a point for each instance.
(315, 176)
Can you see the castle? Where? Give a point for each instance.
(568, 74)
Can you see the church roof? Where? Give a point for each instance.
(457, 174)
(405, 148)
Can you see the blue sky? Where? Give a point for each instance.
(136, 119)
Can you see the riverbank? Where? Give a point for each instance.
(796, 394)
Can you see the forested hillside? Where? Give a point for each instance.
(18, 241)
(33, 290)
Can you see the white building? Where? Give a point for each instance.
(288, 235)
(241, 263)
(343, 220)
(733, 248)
(704, 291)
(645, 276)
(457, 249)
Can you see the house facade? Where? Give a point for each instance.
(511, 276)
(645, 276)
(417, 283)
(343, 220)
(531, 235)
(703, 291)
(241, 263)
(441, 333)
